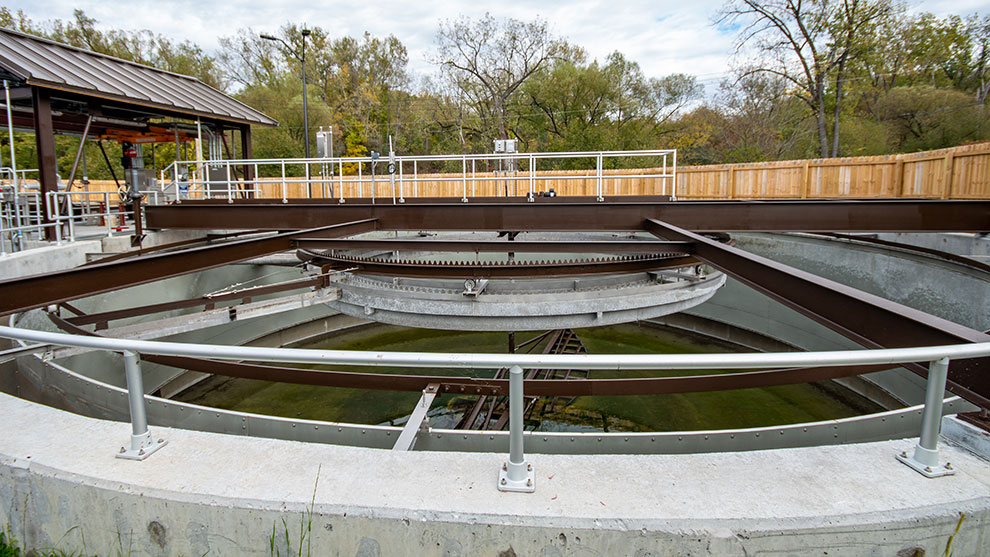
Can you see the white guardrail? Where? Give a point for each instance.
(21, 206)
(517, 474)
(400, 175)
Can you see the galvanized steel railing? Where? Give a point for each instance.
(402, 177)
(517, 473)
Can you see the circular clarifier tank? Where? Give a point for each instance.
(742, 408)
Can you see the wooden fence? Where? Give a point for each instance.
(956, 173)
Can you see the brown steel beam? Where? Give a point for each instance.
(35, 291)
(869, 320)
(534, 387)
(700, 216)
(481, 386)
(475, 246)
(244, 295)
(162, 247)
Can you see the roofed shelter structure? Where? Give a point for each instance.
(55, 88)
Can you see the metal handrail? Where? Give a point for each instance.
(516, 474)
(331, 172)
(759, 360)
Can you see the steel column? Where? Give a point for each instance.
(44, 136)
(247, 151)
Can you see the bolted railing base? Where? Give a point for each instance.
(142, 446)
(928, 470)
(526, 482)
(925, 457)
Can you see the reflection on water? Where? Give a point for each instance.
(715, 410)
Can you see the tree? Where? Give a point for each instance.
(489, 59)
(923, 117)
(143, 47)
(809, 44)
(571, 105)
(353, 84)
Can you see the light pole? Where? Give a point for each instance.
(305, 33)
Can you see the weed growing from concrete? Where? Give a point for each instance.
(305, 529)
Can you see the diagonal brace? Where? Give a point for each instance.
(869, 320)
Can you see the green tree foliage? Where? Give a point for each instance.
(357, 84)
(832, 77)
(922, 117)
(572, 105)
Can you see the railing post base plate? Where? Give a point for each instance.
(142, 446)
(525, 485)
(926, 470)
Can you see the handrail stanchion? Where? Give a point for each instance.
(925, 457)
(285, 196)
(71, 217)
(230, 188)
(56, 218)
(673, 185)
(516, 474)
(309, 183)
(532, 178)
(598, 177)
(464, 198)
(664, 173)
(142, 444)
(106, 213)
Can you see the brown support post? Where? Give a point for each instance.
(247, 153)
(806, 180)
(44, 135)
(732, 182)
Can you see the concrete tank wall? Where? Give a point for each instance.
(211, 494)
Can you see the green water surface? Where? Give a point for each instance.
(681, 412)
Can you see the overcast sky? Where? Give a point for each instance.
(663, 36)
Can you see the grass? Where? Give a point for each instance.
(10, 548)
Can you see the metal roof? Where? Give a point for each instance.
(51, 65)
